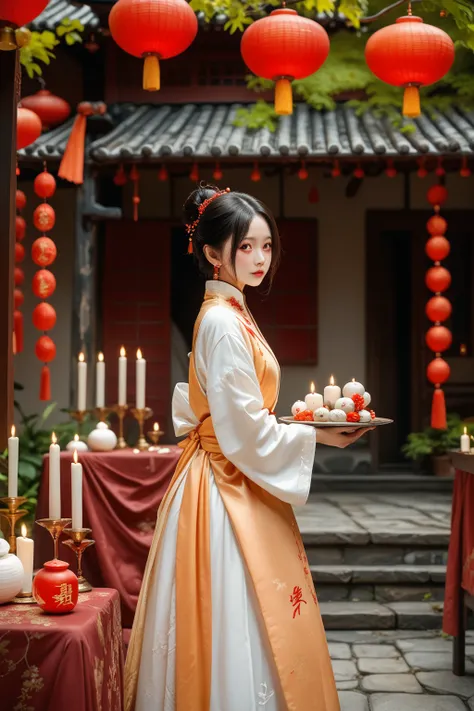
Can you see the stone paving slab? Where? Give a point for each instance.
(446, 682)
(434, 661)
(353, 701)
(436, 644)
(376, 651)
(395, 683)
(339, 650)
(415, 702)
(382, 666)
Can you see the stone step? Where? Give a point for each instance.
(389, 482)
(377, 616)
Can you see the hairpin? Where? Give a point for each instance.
(191, 226)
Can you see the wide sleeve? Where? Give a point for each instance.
(277, 457)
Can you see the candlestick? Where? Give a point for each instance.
(465, 442)
(102, 413)
(25, 548)
(332, 393)
(12, 514)
(141, 415)
(100, 382)
(81, 383)
(121, 411)
(313, 400)
(78, 542)
(122, 378)
(76, 492)
(13, 449)
(140, 375)
(54, 479)
(155, 435)
(55, 527)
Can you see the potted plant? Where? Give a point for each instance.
(435, 444)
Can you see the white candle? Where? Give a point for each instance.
(54, 479)
(100, 381)
(140, 380)
(78, 444)
(353, 388)
(76, 493)
(313, 400)
(122, 377)
(81, 383)
(465, 442)
(13, 448)
(331, 393)
(24, 550)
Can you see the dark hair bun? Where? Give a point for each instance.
(195, 199)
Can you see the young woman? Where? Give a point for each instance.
(227, 618)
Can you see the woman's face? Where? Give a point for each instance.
(253, 257)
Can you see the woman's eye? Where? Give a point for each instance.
(245, 247)
(268, 245)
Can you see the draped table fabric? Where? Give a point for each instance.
(460, 570)
(72, 661)
(122, 491)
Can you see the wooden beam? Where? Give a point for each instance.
(9, 83)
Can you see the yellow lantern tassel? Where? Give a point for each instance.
(283, 97)
(151, 73)
(411, 102)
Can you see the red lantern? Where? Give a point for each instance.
(21, 12)
(45, 349)
(410, 54)
(438, 308)
(19, 252)
(43, 251)
(437, 195)
(18, 298)
(436, 225)
(44, 217)
(120, 177)
(437, 279)
(438, 338)
(217, 174)
(43, 284)
(163, 174)
(255, 175)
(44, 317)
(51, 109)
(283, 47)
(28, 127)
(55, 588)
(45, 185)
(20, 200)
(438, 371)
(437, 248)
(19, 276)
(194, 173)
(20, 227)
(303, 173)
(390, 170)
(153, 29)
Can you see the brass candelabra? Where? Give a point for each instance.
(79, 416)
(121, 411)
(13, 513)
(55, 526)
(78, 542)
(141, 415)
(155, 435)
(102, 413)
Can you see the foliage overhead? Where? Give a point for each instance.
(40, 49)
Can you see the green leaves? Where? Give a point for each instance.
(40, 48)
(70, 30)
(432, 442)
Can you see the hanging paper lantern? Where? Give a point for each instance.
(255, 175)
(153, 29)
(283, 47)
(28, 127)
(217, 174)
(163, 174)
(336, 170)
(45, 349)
(421, 172)
(438, 308)
(51, 109)
(438, 371)
(437, 248)
(18, 298)
(44, 217)
(18, 276)
(303, 173)
(194, 173)
(19, 252)
(43, 251)
(440, 171)
(44, 317)
(437, 195)
(390, 170)
(21, 12)
(436, 225)
(20, 227)
(45, 185)
(437, 279)
(438, 338)
(359, 172)
(20, 200)
(43, 284)
(465, 171)
(120, 177)
(410, 54)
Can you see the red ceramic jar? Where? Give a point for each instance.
(55, 588)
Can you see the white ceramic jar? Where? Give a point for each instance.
(102, 439)
(11, 573)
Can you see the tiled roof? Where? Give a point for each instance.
(192, 131)
(58, 10)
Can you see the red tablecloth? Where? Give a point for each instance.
(121, 492)
(460, 570)
(72, 661)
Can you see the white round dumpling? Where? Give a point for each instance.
(365, 416)
(345, 403)
(337, 415)
(297, 407)
(353, 388)
(321, 414)
(367, 399)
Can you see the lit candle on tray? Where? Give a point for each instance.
(332, 393)
(313, 400)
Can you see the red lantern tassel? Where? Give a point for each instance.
(438, 411)
(45, 384)
(190, 246)
(72, 164)
(18, 326)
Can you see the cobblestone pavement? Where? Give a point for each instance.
(400, 670)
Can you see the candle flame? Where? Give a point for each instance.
(24, 530)
(122, 352)
(54, 439)
(463, 349)
(13, 430)
(331, 380)
(139, 354)
(76, 438)
(100, 357)
(81, 357)
(312, 387)
(465, 430)
(353, 380)
(156, 427)
(75, 456)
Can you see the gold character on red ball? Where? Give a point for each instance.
(43, 284)
(44, 217)
(43, 251)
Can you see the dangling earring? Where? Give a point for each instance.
(216, 271)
